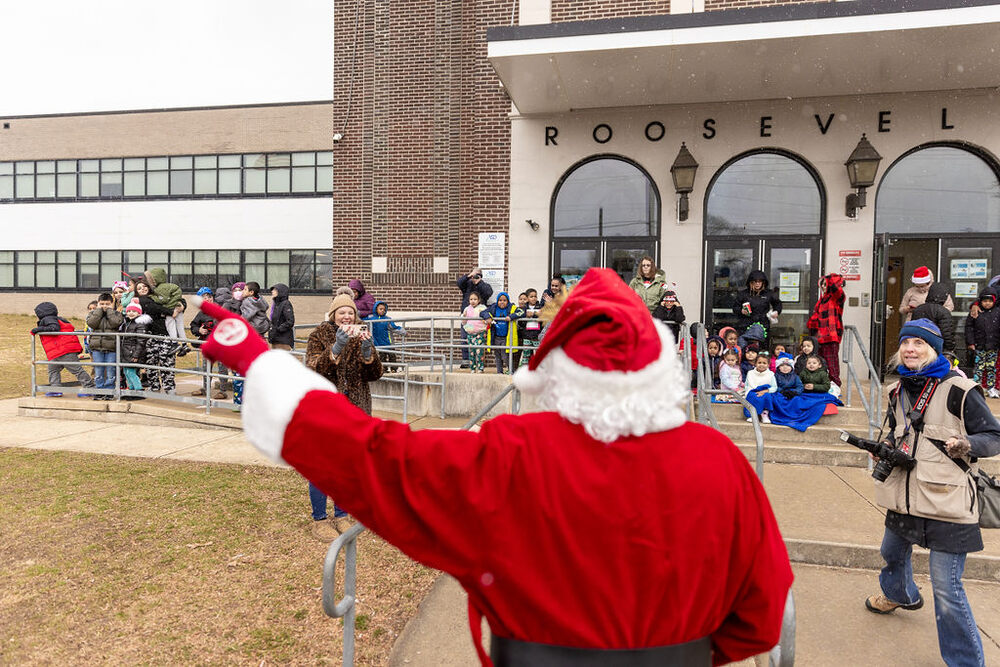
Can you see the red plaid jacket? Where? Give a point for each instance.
(827, 318)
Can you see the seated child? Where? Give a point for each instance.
(63, 349)
(715, 347)
(750, 359)
(730, 375)
(776, 351)
(760, 381)
(815, 378)
(789, 384)
(731, 338)
(807, 346)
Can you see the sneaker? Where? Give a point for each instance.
(993, 393)
(183, 350)
(750, 419)
(880, 604)
(198, 392)
(323, 531)
(220, 395)
(85, 395)
(342, 523)
(53, 394)
(764, 419)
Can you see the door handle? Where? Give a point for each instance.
(876, 310)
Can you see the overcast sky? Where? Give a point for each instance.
(64, 56)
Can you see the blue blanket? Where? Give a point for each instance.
(799, 412)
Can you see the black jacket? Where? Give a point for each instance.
(484, 290)
(933, 309)
(282, 318)
(984, 331)
(48, 317)
(672, 317)
(199, 320)
(760, 303)
(133, 348)
(157, 315)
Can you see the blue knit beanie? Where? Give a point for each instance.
(205, 290)
(925, 330)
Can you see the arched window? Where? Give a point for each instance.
(605, 212)
(939, 189)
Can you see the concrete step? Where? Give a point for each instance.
(818, 434)
(728, 412)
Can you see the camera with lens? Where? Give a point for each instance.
(888, 457)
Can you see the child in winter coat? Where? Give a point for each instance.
(982, 334)
(282, 333)
(253, 308)
(65, 350)
(133, 348)
(777, 351)
(715, 346)
(760, 381)
(807, 346)
(529, 327)
(750, 355)
(815, 378)
(827, 322)
(789, 384)
(475, 328)
(731, 338)
(670, 312)
(169, 296)
(383, 329)
(730, 375)
(103, 349)
(501, 335)
(934, 310)
(201, 327)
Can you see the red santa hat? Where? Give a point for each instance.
(605, 363)
(922, 275)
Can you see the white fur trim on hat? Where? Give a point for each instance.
(613, 404)
(275, 384)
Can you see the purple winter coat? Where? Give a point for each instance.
(365, 302)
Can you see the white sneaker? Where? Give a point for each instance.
(764, 419)
(749, 419)
(993, 393)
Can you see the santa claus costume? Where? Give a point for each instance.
(607, 530)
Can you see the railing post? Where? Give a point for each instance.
(118, 367)
(34, 372)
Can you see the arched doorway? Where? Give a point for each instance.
(764, 210)
(938, 205)
(605, 212)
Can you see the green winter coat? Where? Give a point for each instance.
(166, 294)
(651, 295)
(819, 378)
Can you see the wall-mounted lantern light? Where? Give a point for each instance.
(682, 171)
(861, 169)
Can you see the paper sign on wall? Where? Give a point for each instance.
(494, 278)
(491, 250)
(972, 269)
(966, 290)
(789, 280)
(788, 294)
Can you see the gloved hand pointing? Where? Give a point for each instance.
(233, 342)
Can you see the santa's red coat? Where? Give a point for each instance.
(559, 538)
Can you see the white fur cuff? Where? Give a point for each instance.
(275, 384)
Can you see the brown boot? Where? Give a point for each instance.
(323, 531)
(219, 395)
(880, 604)
(198, 392)
(342, 523)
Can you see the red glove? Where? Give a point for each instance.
(233, 342)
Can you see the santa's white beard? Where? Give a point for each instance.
(613, 404)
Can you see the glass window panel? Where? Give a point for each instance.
(25, 167)
(764, 193)
(6, 187)
(24, 187)
(6, 275)
(45, 256)
(229, 161)
(324, 157)
(89, 276)
(45, 167)
(135, 257)
(114, 256)
(301, 275)
(66, 185)
(324, 179)
(6, 256)
(25, 256)
(278, 180)
(207, 256)
(135, 164)
(25, 275)
(606, 197)
(64, 256)
(277, 256)
(229, 181)
(90, 185)
(180, 256)
(279, 160)
(6, 168)
(111, 164)
(156, 257)
(90, 165)
(46, 185)
(181, 162)
(253, 181)
(66, 166)
(89, 256)
(135, 184)
(157, 183)
(205, 161)
(303, 179)
(204, 275)
(303, 159)
(229, 256)
(180, 183)
(255, 256)
(67, 275)
(45, 275)
(182, 276)
(109, 274)
(228, 274)
(111, 184)
(938, 190)
(256, 273)
(276, 273)
(157, 163)
(253, 160)
(324, 270)
(204, 182)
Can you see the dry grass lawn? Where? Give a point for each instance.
(112, 560)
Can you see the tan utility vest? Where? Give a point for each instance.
(936, 488)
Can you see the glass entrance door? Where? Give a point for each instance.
(624, 256)
(728, 264)
(880, 272)
(573, 258)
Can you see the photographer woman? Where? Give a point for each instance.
(341, 351)
(942, 420)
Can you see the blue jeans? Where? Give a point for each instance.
(318, 501)
(958, 637)
(104, 376)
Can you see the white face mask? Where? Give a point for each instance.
(237, 294)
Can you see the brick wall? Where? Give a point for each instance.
(424, 163)
(585, 10)
(715, 5)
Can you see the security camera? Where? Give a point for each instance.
(534, 225)
(337, 136)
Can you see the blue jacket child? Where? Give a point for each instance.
(789, 384)
(380, 330)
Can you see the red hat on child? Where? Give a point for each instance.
(921, 276)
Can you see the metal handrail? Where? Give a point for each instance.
(873, 404)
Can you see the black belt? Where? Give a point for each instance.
(511, 653)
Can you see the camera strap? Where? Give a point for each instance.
(914, 416)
